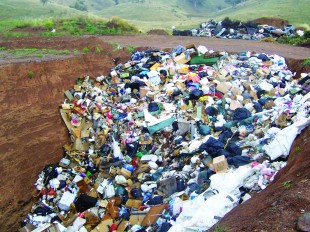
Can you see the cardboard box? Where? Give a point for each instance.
(66, 200)
(220, 164)
(77, 87)
(181, 59)
(65, 106)
(131, 203)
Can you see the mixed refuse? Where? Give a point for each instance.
(228, 29)
(170, 141)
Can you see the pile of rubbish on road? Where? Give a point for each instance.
(168, 137)
(229, 29)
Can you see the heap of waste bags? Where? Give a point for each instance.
(229, 29)
(168, 137)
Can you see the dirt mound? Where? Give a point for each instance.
(276, 22)
(157, 32)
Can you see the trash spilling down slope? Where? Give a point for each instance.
(168, 137)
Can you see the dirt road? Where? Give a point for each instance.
(233, 46)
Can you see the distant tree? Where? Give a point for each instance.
(44, 1)
(116, 2)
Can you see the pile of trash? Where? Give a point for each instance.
(228, 29)
(168, 137)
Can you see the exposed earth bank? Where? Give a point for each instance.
(32, 133)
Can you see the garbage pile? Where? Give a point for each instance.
(168, 137)
(228, 29)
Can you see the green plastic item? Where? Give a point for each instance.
(124, 75)
(88, 173)
(161, 125)
(200, 59)
(139, 154)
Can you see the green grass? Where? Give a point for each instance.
(287, 184)
(67, 26)
(86, 50)
(305, 62)
(295, 11)
(219, 228)
(32, 52)
(30, 74)
(159, 14)
(131, 49)
(30, 9)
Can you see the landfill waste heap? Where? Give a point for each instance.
(228, 29)
(170, 141)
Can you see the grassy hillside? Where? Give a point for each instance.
(295, 11)
(30, 9)
(160, 14)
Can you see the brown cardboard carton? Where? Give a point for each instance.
(77, 87)
(181, 59)
(220, 164)
(131, 203)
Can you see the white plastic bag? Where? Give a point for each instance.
(117, 153)
(110, 191)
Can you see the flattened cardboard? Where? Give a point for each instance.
(69, 95)
(79, 146)
(65, 118)
(137, 217)
(153, 214)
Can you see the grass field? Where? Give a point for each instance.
(159, 14)
(297, 12)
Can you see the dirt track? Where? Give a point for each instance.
(233, 46)
(32, 133)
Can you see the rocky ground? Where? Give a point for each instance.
(32, 133)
